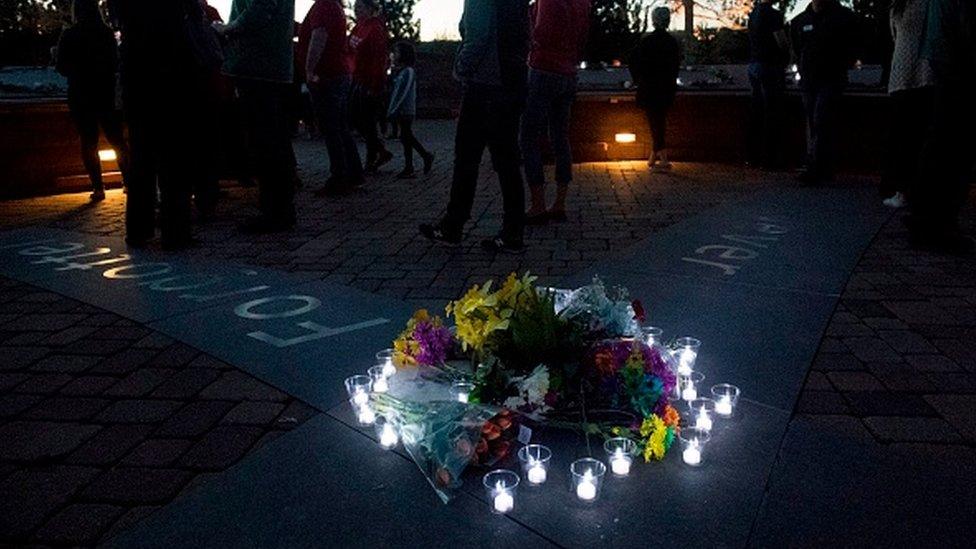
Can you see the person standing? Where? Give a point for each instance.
(403, 109)
(324, 52)
(162, 81)
(88, 57)
(369, 46)
(559, 31)
(825, 46)
(260, 60)
(654, 67)
(491, 66)
(948, 153)
(768, 56)
(911, 85)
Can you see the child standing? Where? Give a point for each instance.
(403, 108)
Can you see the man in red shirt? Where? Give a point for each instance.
(324, 56)
(368, 43)
(559, 30)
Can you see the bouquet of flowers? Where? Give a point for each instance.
(579, 364)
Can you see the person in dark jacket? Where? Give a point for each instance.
(825, 46)
(260, 59)
(161, 88)
(950, 147)
(88, 56)
(769, 53)
(654, 67)
(491, 65)
(559, 30)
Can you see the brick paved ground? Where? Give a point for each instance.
(369, 240)
(900, 351)
(103, 420)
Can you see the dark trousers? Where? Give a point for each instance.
(365, 118)
(549, 103)
(820, 102)
(766, 114)
(165, 153)
(330, 98)
(937, 196)
(263, 104)
(409, 142)
(908, 118)
(657, 117)
(489, 119)
(87, 122)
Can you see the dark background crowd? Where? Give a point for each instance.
(517, 65)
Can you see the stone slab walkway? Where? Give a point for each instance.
(892, 384)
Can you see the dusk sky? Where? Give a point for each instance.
(438, 18)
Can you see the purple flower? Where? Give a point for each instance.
(434, 342)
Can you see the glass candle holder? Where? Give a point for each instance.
(461, 390)
(384, 358)
(702, 413)
(652, 335)
(500, 486)
(686, 350)
(620, 453)
(358, 388)
(726, 397)
(693, 441)
(535, 463)
(689, 385)
(365, 414)
(380, 381)
(560, 297)
(386, 433)
(587, 477)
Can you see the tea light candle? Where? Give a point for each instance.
(693, 439)
(535, 463)
(702, 410)
(689, 386)
(384, 358)
(620, 452)
(537, 473)
(380, 382)
(587, 474)
(620, 464)
(358, 389)
(500, 486)
(388, 436)
(687, 350)
(726, 397)
(724, 406)
(652, 335)
(504, 502)
(462, 390)
(366, 415)
(586, 489)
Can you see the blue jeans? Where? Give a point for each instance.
(330, 98)
(550, 101)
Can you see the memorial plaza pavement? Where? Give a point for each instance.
(131, 418)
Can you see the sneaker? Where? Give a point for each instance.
(897, 201)
(500, 245)
(438, 234)
(406, 174)
(428, 163)
(97, 196)
(662, 167)
(265, 225)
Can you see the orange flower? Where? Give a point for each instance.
(671, 417)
